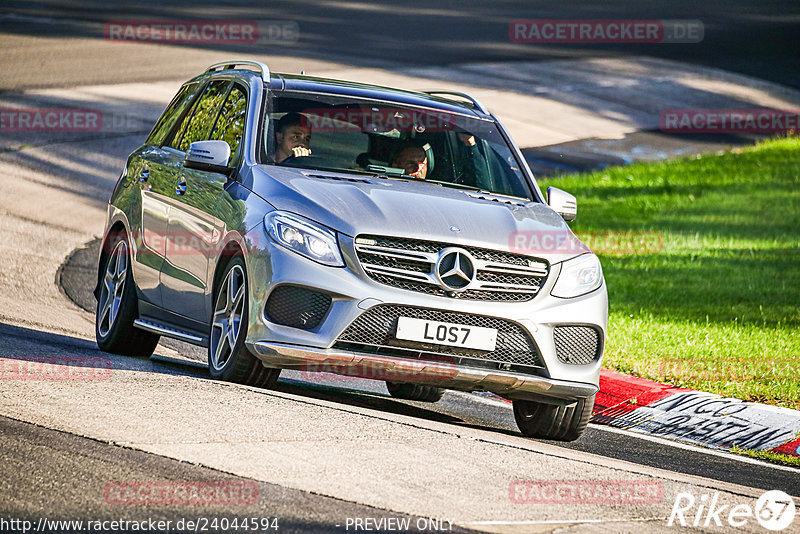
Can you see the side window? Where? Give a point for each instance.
(197, 125)
(231, 122)
(171, 115)
(505, 174)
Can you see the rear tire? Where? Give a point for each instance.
(415, 392)
(551, 421)
(228, 357)
(117, 306)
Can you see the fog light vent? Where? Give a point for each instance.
(297, 307)
(577, 345)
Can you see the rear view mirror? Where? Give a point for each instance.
(562, 203)
(212, 156)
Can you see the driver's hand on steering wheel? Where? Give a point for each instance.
(300, 152)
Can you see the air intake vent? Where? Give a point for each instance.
(500, 199)
(297, 307)
(577, 345)
(374, 331)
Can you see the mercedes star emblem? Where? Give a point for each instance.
(455, 269)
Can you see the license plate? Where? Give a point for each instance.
(454, 335)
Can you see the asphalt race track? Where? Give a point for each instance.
(474, 411)
(747, 37)
(320, 451)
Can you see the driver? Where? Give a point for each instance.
(412, 160)
(293, 137)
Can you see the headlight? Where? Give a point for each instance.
(578, 276)
(305, 237)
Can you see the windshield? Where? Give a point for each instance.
(347, 134)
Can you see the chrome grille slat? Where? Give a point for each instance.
(515, 269)
(505, 288)
(397, 253)
(399, 273)
(410, 264)
(383, 261)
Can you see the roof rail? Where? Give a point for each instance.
(255, 65)
(475, 102)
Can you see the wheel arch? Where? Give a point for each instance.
(233, 246)
(117, 224)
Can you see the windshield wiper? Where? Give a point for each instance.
(459, 186)
(391, 172)
(326, 169)
(476, 189)
(395, 172)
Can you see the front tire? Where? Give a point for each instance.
(552, 421)
(117, 306)
(415, 392)
(228, 357)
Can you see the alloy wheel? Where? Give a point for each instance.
(227, 323)
(112, 288)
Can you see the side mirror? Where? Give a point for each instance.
(212, 156)
(562, 203)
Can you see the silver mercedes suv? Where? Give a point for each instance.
(292, 222)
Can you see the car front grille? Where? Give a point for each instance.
(577, 345)
(374, 331)
(411, 264)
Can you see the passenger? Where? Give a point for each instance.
(412, 160)
(293, 137)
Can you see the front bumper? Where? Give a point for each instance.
(354, 293)
(507, 384)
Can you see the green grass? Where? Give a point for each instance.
(702, 261)
(772, 457)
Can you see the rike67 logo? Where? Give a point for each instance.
(774, 510)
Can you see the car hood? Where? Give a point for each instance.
(358, 205)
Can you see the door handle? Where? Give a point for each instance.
(144, 175)
(181, 189)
